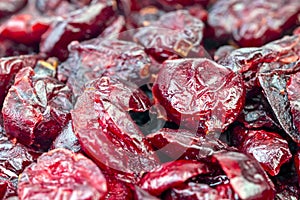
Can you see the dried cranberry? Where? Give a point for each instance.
(297, 164)
(9, 67)
(170, 175)
(111, 57)
(246, 176)
(274, 87)
(115, 29)
(268, 148)
(108, 134)
(67, 139)
(145, 17)
(81, 24)
(117, 189)
(60, 174)
(180, 3)
(8, 7)
(36, 108)
(223, 52)
(253, 23)
(183, 144)
(199, 93)
(175, 34)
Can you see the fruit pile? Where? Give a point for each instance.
(153, 99)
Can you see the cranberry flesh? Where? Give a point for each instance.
(247, 22)
(199, 93)
(60, 174)
(36, 108)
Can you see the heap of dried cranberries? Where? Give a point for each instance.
(153, 99)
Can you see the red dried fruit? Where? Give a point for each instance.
(246, 176)
(62, 174)
(114, 29)
(36, 108)
(145, 17)
(253, 23)
(180, 3)
(90, 21)
(183, 144)
(95, 58)
(108, 134)
(297, 165)
(67, 139)
(292, 89)
(274, 87)
(8, 7)
(170, 175)
(9, 67)
(175, 34)
(117, 189)
(199, 93)
(268, 148)
(25, 28)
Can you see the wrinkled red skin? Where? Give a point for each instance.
(115, 29)
(90, 20)
(108, 134)
(67, 139)
(199, 93)
(181, 3)
(196, 191)
(73, 175)
(9, 67)
(176, 34)
(117, 189)
(183, 144)
(247, 22)
(292, 88)
(246, 176)
(248, 61)
(8, 7)
(268, 148)
(14, 157)
(36, 108)
(222, 52)
(95, 58)
(170, 175)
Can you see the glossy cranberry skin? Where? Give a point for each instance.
(89, 20)
(185, 145)
(176, 34)
(178, 3)
(107, 133)
(170, 175)
(9, 67)
(111, 57)
(199, 93)
(245, 173)
(36, 108)
(60, 174)
(252, 23)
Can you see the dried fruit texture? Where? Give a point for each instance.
(67, 139)
(108, 134)
(183, 144)
(170, 175)
(268, 148)
(199, 94)
(97, 57)
(8, 7)
(274, 87)
(292, 90)
(197, 191)
(246, 176)
(180, 3)
(36, 108)
(248, 61)
(115, 29)
(257, 113)
(90, 20)
(297, 165)
(62, 174)
(223, 52)
(9, 67)
(117, 189)
(252, 23)
(14, 157)
(176, 34)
